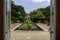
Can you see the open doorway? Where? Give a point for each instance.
(30, 19)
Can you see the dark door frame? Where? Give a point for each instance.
(57, 20)
(1, 21)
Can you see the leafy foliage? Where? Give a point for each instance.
(41, 14)
(22, 19)
(17, 12)
(37, 16)
(28, 25)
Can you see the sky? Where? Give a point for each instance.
(30, 5)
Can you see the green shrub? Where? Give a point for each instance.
(22, 19)
(46, 22)
(28, 25)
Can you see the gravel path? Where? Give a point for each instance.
(30, 35)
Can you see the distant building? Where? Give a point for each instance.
(28, 16)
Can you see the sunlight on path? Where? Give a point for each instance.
(30, 35)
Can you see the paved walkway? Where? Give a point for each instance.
(14, 26)
(30, 35)
(43, 26)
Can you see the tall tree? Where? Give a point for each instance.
(41, 14)
(16, 12)
(37, 16)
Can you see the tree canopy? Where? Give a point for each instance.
(41, 14)
(17, 11)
